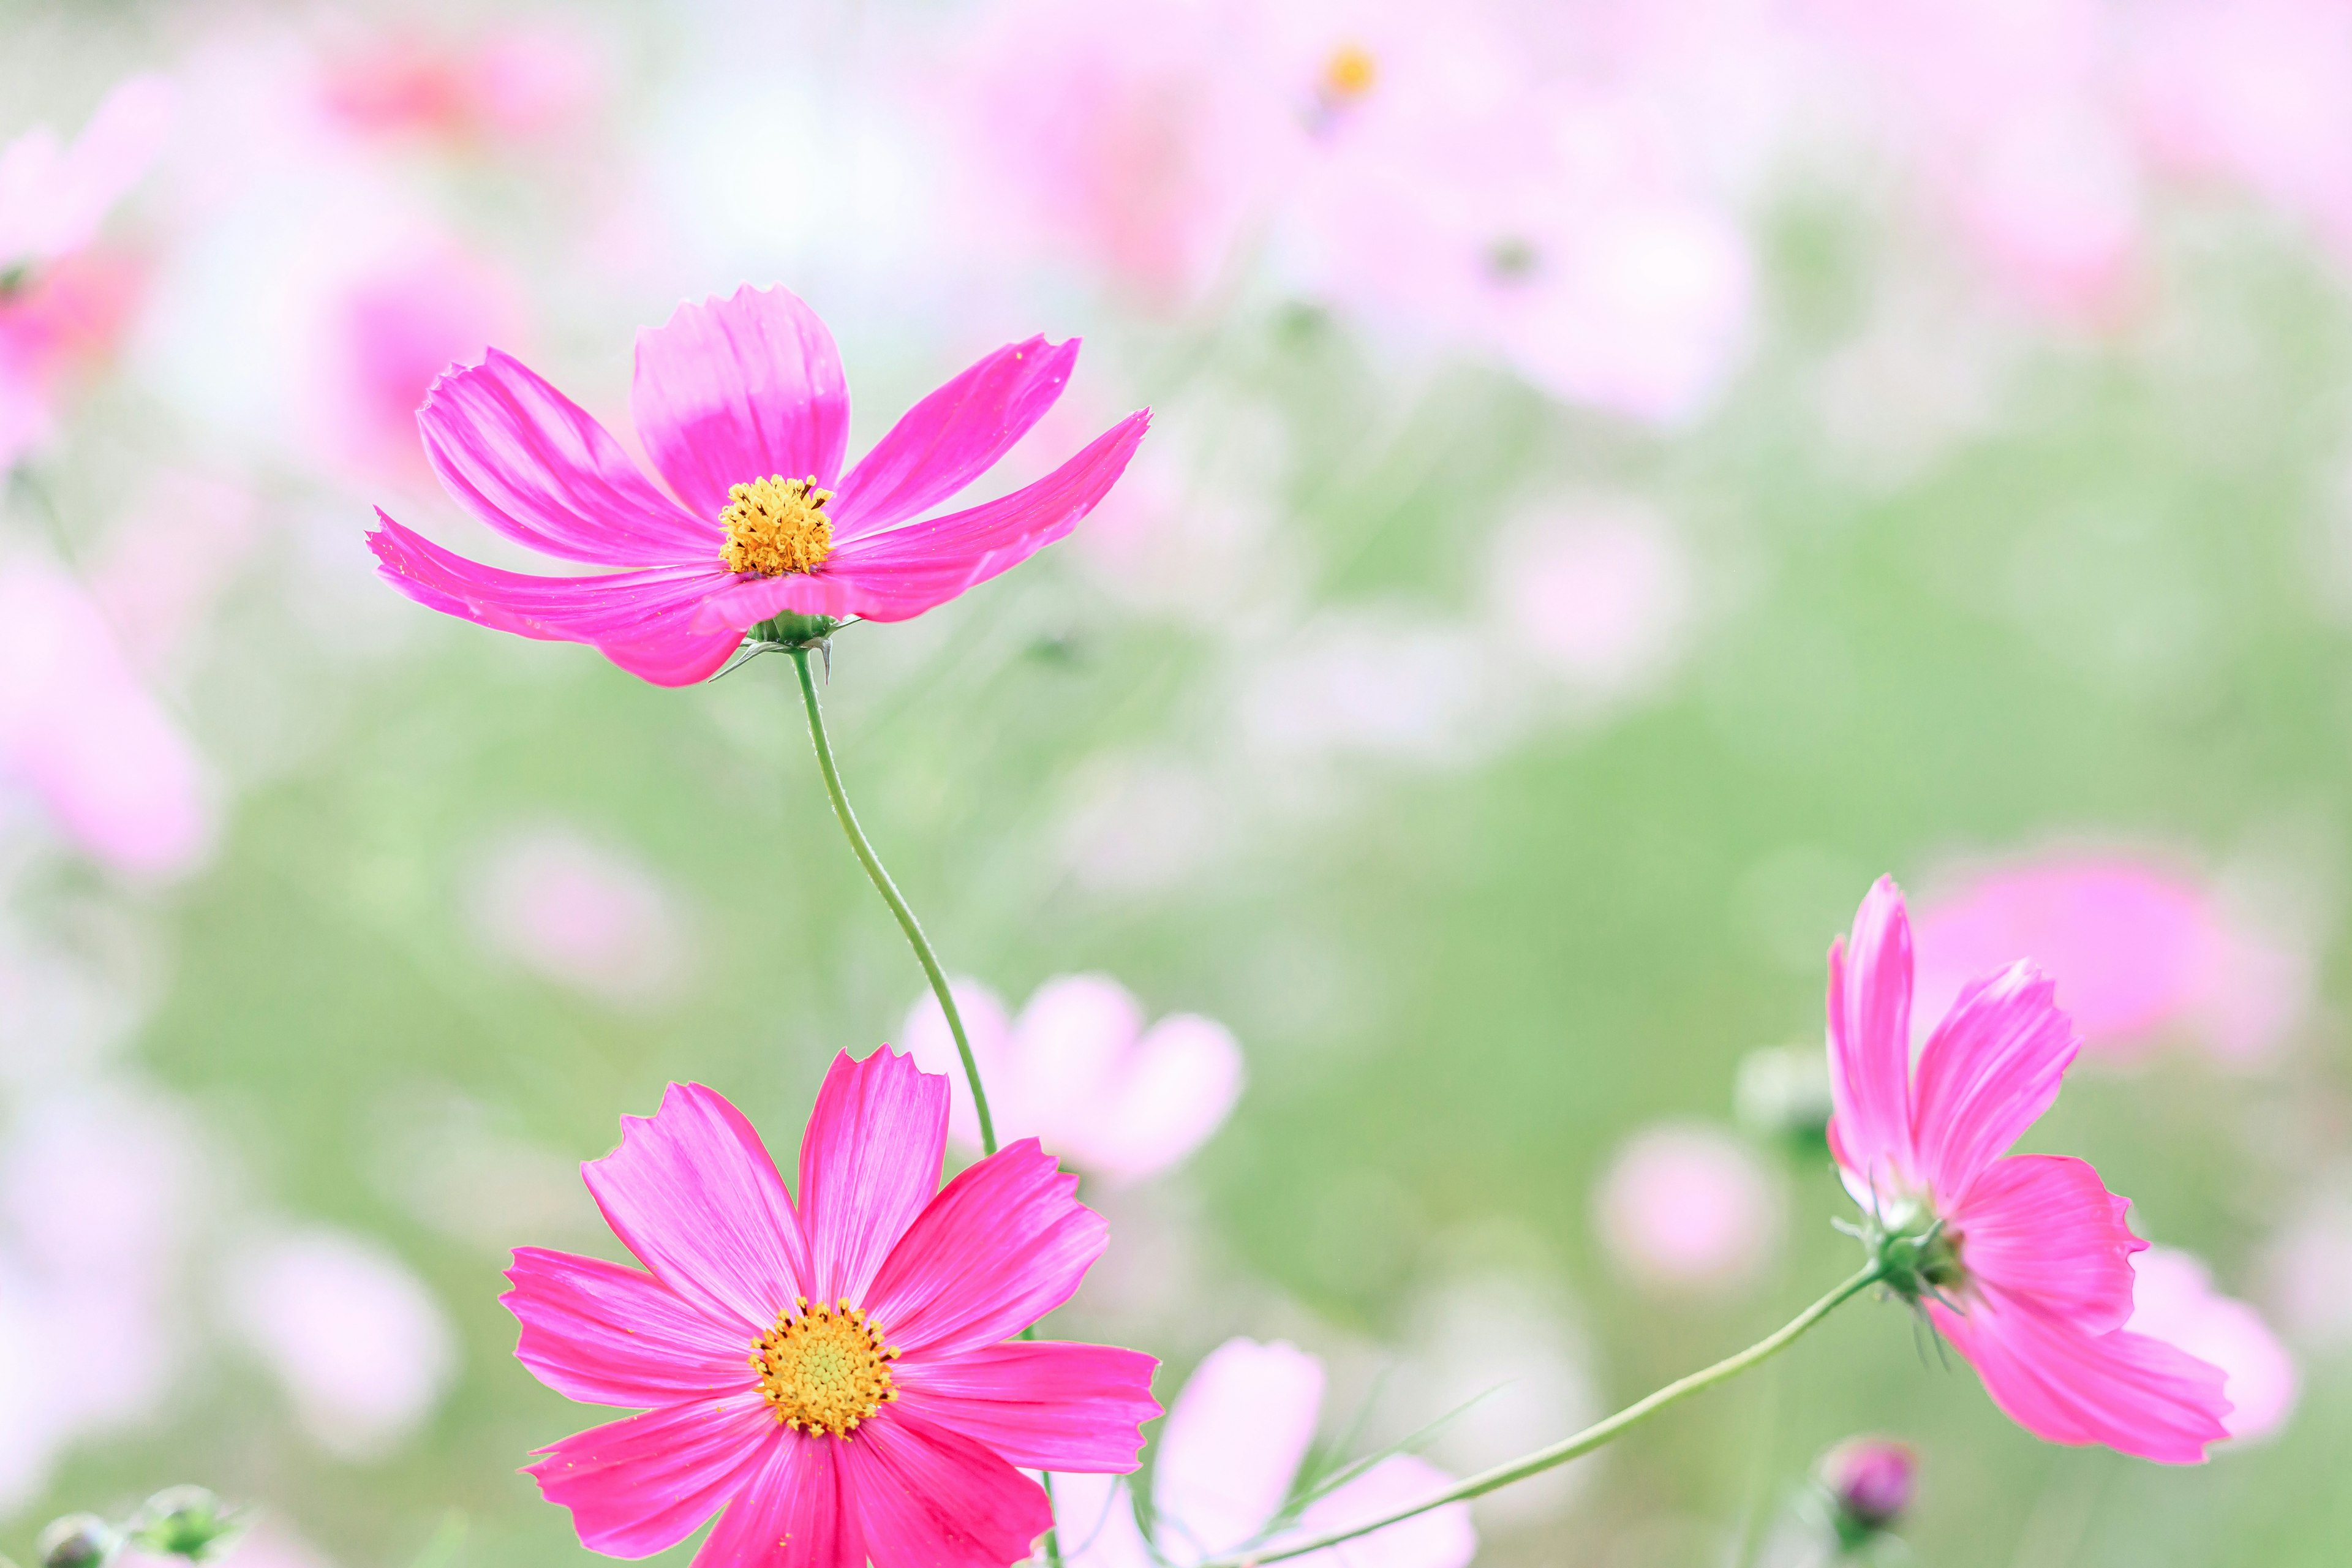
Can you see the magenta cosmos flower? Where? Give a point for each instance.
(2024, 1262)
(740, 406)
(835, 1372)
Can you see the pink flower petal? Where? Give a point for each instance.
(605, 1334)
(2173, 1299)
(1094, 1519)
(869, 1163)
(692, 1192)
(1071, 1041)
(797, 1507)
(1003, 1245)
(1870, 1039)
(532, 464)
(740, 389)
(954, 436)
(1181, 1082)
(930, 1498)
(641, 1485)
(1442, 1537)
(1234, 1439)
(2134, 1393)
(1988, 1071)
(931, 1043)
(2044, 1229)
(1044, 1406)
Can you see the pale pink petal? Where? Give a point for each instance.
(53, 197)
(1233, 1443)
(533, 464)
(739, 389)
(796, 1509)
(1870, 1040)
(1688, 1207)
(954, 436)
(1442, 1537)
(1988, 1071)
(2173, 1299)
(642, 1484)
(1094, 1520)
(869, 1163)
(930, 1498)
(1003, 1245)
(1179, 1085)
(1044, 1405)
(605, 1334)
(2044, 1229)
(926, 1038)
(692, 1192)
(1069, 1044)
(2133, 1394)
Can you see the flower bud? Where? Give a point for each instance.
(1782, 1096)
(1869, 1481)
(76, 1541)
(184, 1522)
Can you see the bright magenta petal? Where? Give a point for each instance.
(933, 1498)
(1045, 1405)
(1870, 1039)
(641, 1485)
(740, 389)
(1988, 1073)
(2135, 1394)
(795, 1511)
(1003, 1245)
(692, 1192)
(530, 463)
(606, 1334)
(953, 436)
(2044, 1228)
(869, 1163)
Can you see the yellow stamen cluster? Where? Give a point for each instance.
(776, 525)
(825, 1370)
(1349, 73)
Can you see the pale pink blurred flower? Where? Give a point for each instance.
(165, 565)
(1079, 1072)
(2137, 953)
(1227, 1460)
(513, 84)
(389, 331)
(1685, 1207)
(55, 194)
(54, 328)
(582, 915)
(362, 1348)
(2307, 1272)
(1599, 596)
(81, 731)
(1389, 682)
(2173, 1299)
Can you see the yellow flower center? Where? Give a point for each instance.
(1349, 73)
(824, 1370)
(776, 525)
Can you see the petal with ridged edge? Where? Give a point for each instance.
(643, 1484)
(607, 1334)
(795, 1511)
(1988, 1071)
(869, 1163)
(954, 436)
(1870, 1043)
(1044, 1405)
(2044, 1228)
(930, 1498)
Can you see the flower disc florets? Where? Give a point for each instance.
(776, 525)
(825, 1370)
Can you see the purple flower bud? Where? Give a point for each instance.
(1871, 1480)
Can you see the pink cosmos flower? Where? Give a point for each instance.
(2173, 1299)
(837, 1372)
(741, 408)
(1685, 1207)
(2024, 1260)
(1227, 1465)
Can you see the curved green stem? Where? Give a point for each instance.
(1583, 1442)
(891, 896)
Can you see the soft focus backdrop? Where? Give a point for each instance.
(1624, 474)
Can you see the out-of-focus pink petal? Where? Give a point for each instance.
(1044, 1406)
(930, 1498)
(2133, 1394)
(1233, 1442)
(929, 1040)
(797, 1508)
(739, 389)
(2173, 1299)
(1988, 1071)
(1442, 1537)
(1870, 1039)
(1071, 1043)
(1688, 1207)
(869, 1163)
(533, 464)
(692, 1192)
(641, 1485)
(2044, 1229)
(1179, 1085)
(1094, 1518)
(605, 1334)
(53, 197)
(1003, 1245)
(954, 436)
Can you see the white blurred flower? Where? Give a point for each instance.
(1685, 1207)
(582, 915)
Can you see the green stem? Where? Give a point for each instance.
(1583, 1442)
(890, 896)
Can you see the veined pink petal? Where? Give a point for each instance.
(692, 1192)
(2044, 1229)
(1044, 1406)
(1003, 1245)
(953, 436)
(869, 1163)
(642, 1484)
(1988, 1071)
(1442, 1537)
(2173, 1299)
(1870, 1039)
(797, 1507)
(739, 389)
(2134, 1393)
(1233, 1442)
(930, 1498)
(606, 1334)
(532, 464)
